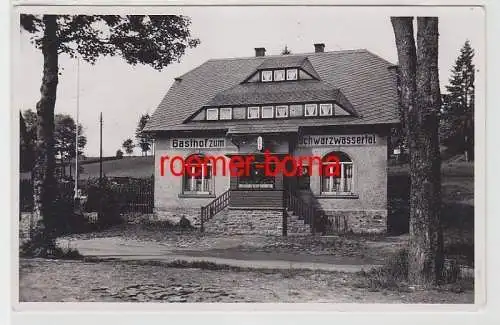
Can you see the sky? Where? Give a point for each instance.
(123, 92)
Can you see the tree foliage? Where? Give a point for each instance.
(143, 139)
(457, 119)
(155, 40)
(65, 136)
(128, 146)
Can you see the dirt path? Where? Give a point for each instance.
(56, 281)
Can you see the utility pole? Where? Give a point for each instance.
(100, 149)
(76, 131)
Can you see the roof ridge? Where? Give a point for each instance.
(288, 55)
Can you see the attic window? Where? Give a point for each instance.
(226, 113)
(291, 74)
(266, 76)
(325, 109)
(212, 114)
(253, 112)
(267, 112)
(311, 110)
(279, 75)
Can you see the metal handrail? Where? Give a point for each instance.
(214, 207)
(309, 213)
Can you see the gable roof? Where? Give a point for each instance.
(363, 78)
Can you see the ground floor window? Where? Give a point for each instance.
(197, 178)
(338, 185)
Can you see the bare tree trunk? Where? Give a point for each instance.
(43, 176)
(407, 57)
(420, 99)
(425, 198)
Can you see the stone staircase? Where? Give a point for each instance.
(297, 226)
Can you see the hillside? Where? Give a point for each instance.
(138, 167)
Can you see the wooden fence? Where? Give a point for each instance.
(134, 194)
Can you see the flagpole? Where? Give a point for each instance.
(76, 131)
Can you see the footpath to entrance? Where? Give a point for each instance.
(116, 248)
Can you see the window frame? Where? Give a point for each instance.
(212, 109)
(262, 112)
(248, 112)
(315, 110)
(326, 104)
(191, 180)
(229, 109)
(276, 111)
(275, 72)
(262, 75)
(296, 74)
(329, 192)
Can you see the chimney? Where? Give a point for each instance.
(319, 47)
(260, 51)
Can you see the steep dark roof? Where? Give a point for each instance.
(362, 77)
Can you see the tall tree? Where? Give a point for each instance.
(143, 139)
(420, 98)
(64, 136)
(153, 40)
(457, 127)
(128, 146)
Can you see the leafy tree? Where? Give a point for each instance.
(128, 145)
(143, 139)
(286, 51)
(153, 40)
(421, 101)
(30, 120)
(64, 136)
(119, 154)
(457, 125)
(26, 143)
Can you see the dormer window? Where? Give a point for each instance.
(226, 113)
(267, 112)
(325, 109)
(291, 74)
(279, 75)
(311, 110)
(253, 112)
(212, 114)
(266, 76)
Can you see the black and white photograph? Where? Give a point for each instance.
(249, 154)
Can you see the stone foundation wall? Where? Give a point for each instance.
(374, 221)
(174, 215)
(269, 222)
(258, 222)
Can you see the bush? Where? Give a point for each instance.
(107, 200)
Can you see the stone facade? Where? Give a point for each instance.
(255, 222)
(374, 221)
